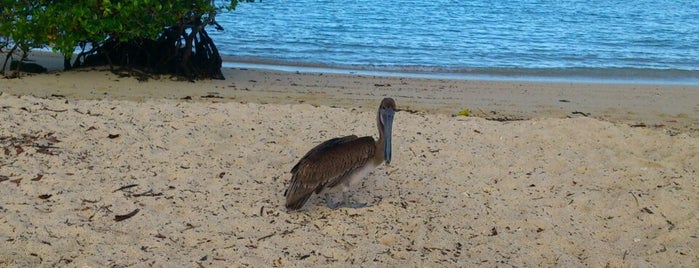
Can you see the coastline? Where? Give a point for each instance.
(628, 76)
(672, 108)
(98, 170)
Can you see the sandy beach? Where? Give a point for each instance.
(671, 108)
(99, 170)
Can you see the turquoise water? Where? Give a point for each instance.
(633, 40)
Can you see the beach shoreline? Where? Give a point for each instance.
(672, 108)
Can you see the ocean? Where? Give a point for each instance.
(635, 41)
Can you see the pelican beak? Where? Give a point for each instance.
(387, 122)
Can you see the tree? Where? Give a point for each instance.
(156, 36)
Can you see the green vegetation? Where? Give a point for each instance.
(155, 36)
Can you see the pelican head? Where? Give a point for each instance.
(384, 121)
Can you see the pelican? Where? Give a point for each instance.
(342, 161)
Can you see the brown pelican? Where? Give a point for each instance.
(341, 162)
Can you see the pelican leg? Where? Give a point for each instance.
(334, 205)
(329, 202)
(346, 198)
(346, 201)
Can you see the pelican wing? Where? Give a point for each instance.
(326, 165)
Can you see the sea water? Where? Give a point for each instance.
(589, 40)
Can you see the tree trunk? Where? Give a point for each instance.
(191, 55)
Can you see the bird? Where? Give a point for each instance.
(342, 162)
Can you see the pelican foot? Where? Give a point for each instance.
(330, 204)
(356, 205)
(346, 202)
(340, 204)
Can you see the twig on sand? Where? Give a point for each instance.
(126, 216)
(147, 193)
(634, 197)
(125, 187)
(266, 236)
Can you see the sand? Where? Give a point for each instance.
(82, 151)
(670, 108)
